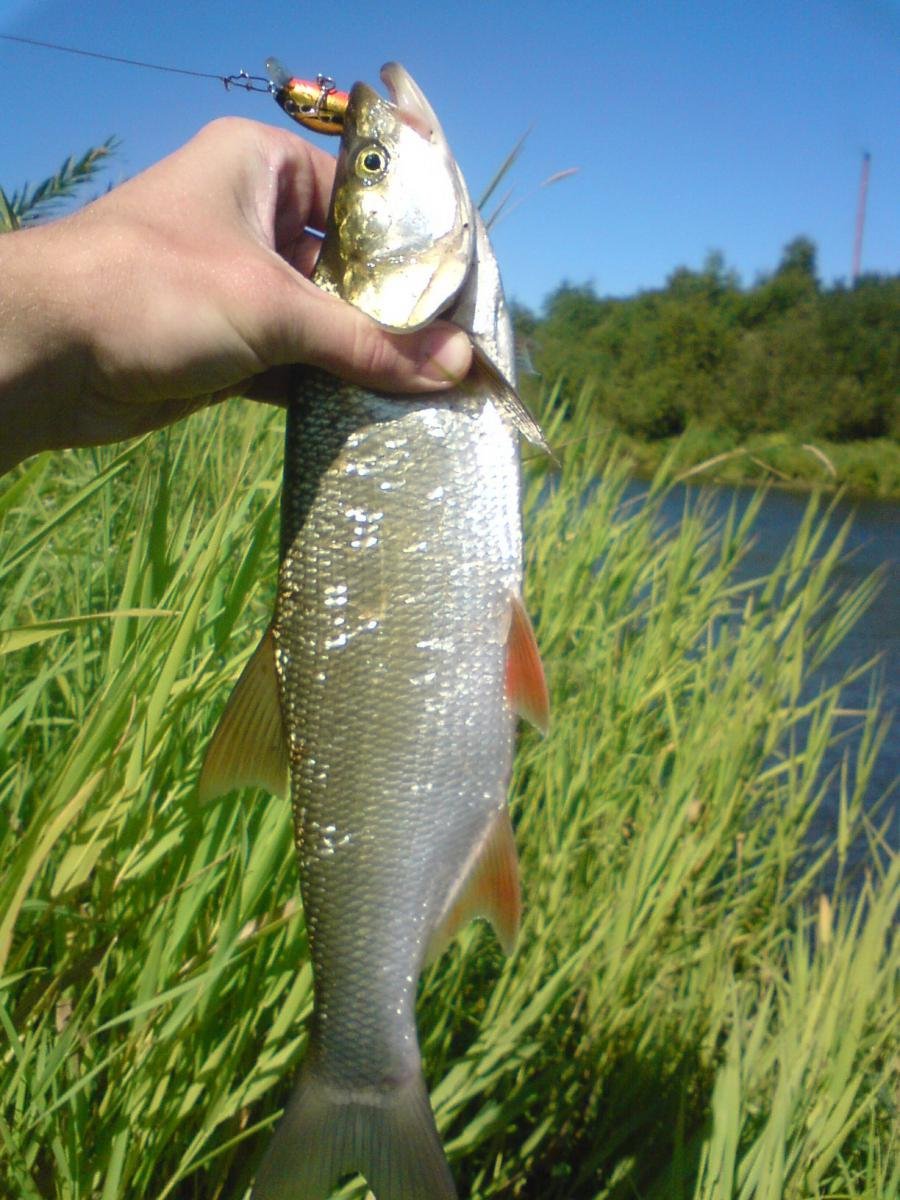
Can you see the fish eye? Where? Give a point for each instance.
(371, 163)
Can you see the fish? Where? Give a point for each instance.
(398, 660)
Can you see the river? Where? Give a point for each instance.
(873, 544)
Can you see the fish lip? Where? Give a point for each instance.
(410, 102)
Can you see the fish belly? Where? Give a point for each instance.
(401, 551)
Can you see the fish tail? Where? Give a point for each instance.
(327, 1132)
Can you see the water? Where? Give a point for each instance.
(873, 544)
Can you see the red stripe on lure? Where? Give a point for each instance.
(315, 104)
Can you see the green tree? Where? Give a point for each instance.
(783, 354)
(799, 258)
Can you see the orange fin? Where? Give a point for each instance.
(526, 687)
(491, 889)
(248, 747)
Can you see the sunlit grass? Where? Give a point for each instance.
(685, 1016)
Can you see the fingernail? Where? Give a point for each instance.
(446, 355)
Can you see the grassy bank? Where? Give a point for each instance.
(864, 468)
(688, 1013)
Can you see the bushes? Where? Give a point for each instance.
(785, 354)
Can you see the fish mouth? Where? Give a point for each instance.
(410, 102)
(401, 251)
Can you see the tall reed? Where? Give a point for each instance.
(688, 1012)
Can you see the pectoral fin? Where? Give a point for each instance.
(491, 890)
(484, 376)
(248, 747)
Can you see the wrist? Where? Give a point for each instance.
(42, 355)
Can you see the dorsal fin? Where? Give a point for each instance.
(248, 747)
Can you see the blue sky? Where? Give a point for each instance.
(696, 126)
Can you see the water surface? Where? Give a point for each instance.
(873, 544)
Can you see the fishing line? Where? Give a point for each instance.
(250, 83)
(316, 105)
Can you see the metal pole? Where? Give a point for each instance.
(860, 216)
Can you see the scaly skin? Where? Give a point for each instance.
(401, 552)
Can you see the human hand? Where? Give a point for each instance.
(183, 286)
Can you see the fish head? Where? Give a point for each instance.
(401, 228)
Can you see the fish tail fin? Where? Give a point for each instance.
(389, 1137)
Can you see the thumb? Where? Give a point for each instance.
(326, 332)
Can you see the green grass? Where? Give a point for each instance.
(688, 1013)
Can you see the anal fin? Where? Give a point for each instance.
(490, 889)
(248, 747)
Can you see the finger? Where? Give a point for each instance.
(305, 176)
(312, 177)
(270, 387)
(272, 173)
(302, 252)
(321, 330)
(432, 359)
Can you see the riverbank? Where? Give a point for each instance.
(861, 468)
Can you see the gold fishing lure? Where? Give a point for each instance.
(315, 104)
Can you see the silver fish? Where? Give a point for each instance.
(397, 660)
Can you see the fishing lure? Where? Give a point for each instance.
(317, 105)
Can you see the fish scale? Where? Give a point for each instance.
(401, 742)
